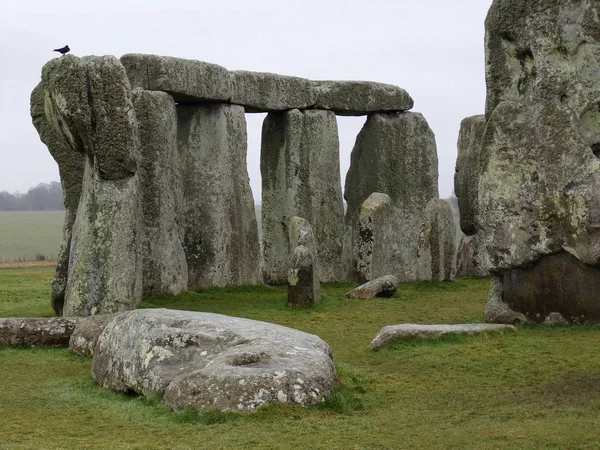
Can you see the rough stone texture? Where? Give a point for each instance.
(300, 177)
(304, 288)
(374, 235)
(539, 188)
(266, 92)
(400, 149)
(357, 98)
(70, 166)
(164, 264)
(187, 80)
(86, 333)
(437, 249)
(210, 361)
(468, 259)
(385, 287)
(555, 318)
(301, 233)
(87, 103)
(496, 310)
(37, 332)
(220, 231)
(466, 178)
(394, 334)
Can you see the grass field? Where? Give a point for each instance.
(23, 235)
(538, 388)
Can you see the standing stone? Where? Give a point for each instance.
(394, 154)
(437, 249)
(466, 178)
(70, 166)
(304, 287)
(374, 236)
(87, 103)
(300, 177)
(164, 264)
(469, 258)
(539, 188)
(220, 231)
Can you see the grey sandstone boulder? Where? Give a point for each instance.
(437, 250)
(87, 103)
(400, 149)
(374, 237)
(470, 258)
(209, 361)
(85, 335)
(37, 332)
(164, 264)
(304, 288)
(555, 318)
(220, 233)
(466, 178)
(394, 334)
(539, 185)
(266, 92)
(358, 98)
(300, 177)
(384, 287)
(187, 80)
(496, 309)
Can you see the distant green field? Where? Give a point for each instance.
(23, 235)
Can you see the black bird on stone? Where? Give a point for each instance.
(63, 50)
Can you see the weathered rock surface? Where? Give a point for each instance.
(357, 98)
(304, 287)
(87, 103)
(437, 249)
(86, 333)
(164, 264)
(220, 230)
(466, 178)
(187, 80)
(266, 92)
(209, 361)
(401, 150)
(385, 287)
(37, 332)
(300, 177)
(469, 258)
(539, 188)
(374, 237)
(555, 318)
(394, 334)
(496, 309)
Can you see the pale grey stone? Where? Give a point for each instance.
(394, 154)
(469, 259)
(358, 98)
(220, 231)
(300, 177)
(555, 318)
(85, 335)
(164, 265)
(394, 334)
(496, 310)
(466, 178)
(37, 332)
(304, 288)
(385, 287)
(87, 103)
(209, 361)
(187, 80)
(437, 250)
(266, 92)
(301, 234)
(374, 236)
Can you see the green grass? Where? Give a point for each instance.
(538, 388)
(26, 234)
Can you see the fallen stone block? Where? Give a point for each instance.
(385, 287)
(85, 335)
(393, 334)
(37, 332)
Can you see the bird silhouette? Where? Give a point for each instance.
(63, 50)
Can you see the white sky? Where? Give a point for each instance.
(431, 48)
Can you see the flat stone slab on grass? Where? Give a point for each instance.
(396, 333)
(37, 331)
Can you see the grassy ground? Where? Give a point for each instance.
(538, 388)
(23, 235)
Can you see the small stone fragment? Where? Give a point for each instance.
(385, 287)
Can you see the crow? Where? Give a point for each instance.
(63, 50)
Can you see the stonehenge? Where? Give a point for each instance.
(152, 154)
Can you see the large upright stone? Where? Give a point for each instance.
(304, 271)
(394, 154)
(539, 188)
(220, 231)
(87, 103)
(164, 264)
(300, 177)
(466, 178)
(437, 249)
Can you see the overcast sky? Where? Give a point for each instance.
(431, 48)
